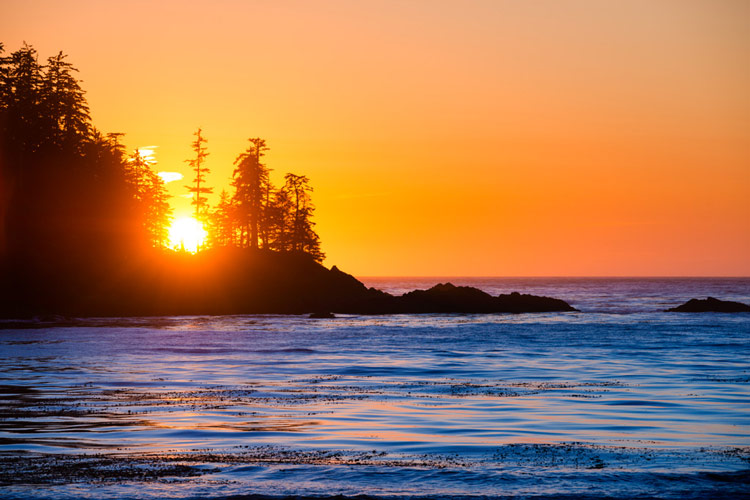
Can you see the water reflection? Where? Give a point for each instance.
(455, 400)
(352, 411)
(433, 382)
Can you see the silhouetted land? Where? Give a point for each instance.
(83, 225)
(247, 281)
(710, 304)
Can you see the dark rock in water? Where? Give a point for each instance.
(520, 303)
(322, 315)
(448, 298)
(711, 304)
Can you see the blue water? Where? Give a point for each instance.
(620, 400)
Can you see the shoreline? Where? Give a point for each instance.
(260, 472)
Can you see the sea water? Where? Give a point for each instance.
(620, 400)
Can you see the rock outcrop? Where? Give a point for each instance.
(448, 298)
(711, 304)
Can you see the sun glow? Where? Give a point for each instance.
(187, 234)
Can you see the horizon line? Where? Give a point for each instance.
(470, 276)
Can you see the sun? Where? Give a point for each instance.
(187, 234)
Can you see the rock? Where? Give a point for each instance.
(521, 303)
(711, 304)
(448, 298)
(321, 315)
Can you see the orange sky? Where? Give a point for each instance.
(446, 138)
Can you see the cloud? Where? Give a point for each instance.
(147, 153)
(170, 176)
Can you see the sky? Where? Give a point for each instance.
(445, 138)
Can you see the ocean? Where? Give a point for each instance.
(620, 400)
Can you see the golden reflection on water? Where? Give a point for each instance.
(506, 420)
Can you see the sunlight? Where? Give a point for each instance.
(187, 233)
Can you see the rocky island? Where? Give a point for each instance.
(710, 304)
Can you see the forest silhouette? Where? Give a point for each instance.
(84, 225)
(77, 210)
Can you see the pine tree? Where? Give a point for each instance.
(137, 174)
(198, 189)
(152, 199)
(251, 183)
(159, 212)
(63, 102)
(280, 222)
(22, 124)
(221, 224)
(303, 237)
(71, 214)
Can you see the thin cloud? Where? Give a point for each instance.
(168, 177)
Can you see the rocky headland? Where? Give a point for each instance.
(245, 281)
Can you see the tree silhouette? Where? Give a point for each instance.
(159, 211)
(251, 183)
(199, 188)
(137, 174)
(303, 238)
(78, 215)
(152, 198)
(22, 122)
(64, 104)
(279, 221)
(258, 215)
(222, 222)
(67, 214)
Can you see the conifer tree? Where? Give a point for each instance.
(279, 232)
(159, 212)
(137, 174)
(70, 211)
(222, 226)
(63, 102)
(21, 118)
(302, 236)
(251, 183)
(150, 194)
(199, 188)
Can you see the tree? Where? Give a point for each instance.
(199, 188)
(137, 174)
(221, 222)
(303, 237)
(63, 102)
(69, 216)
(252, 185)
(21, 119)
(150, 193)
(158, 212)
(280, 221)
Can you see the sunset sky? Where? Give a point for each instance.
(500, 138)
